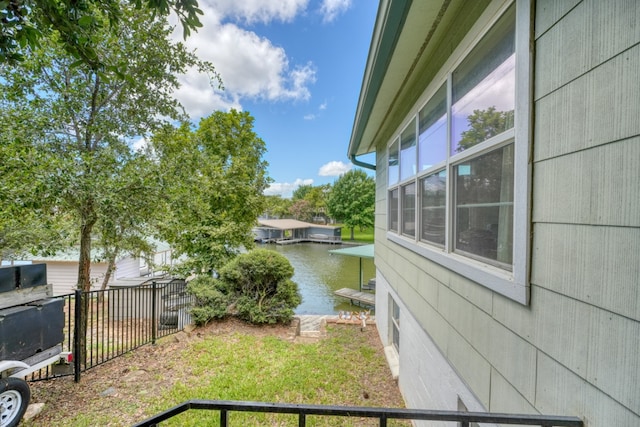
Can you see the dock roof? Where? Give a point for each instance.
(290, 224)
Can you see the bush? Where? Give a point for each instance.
(260, 283)
(209, 302)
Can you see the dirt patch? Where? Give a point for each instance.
(152, 369)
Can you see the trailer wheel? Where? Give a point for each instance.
(14, 399)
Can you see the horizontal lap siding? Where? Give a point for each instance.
(574, 349)
(585, 302)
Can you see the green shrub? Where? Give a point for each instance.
(209, 302)
(260, 283)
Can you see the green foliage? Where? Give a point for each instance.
(213, 180)
(260, 280)
(209, 302)
(276, 206)
(301, 192)
(301, 210)
(484, 124)
(80, 25)
(67, 128)
(352, 200)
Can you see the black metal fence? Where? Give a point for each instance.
(103, 325)
(464, 419)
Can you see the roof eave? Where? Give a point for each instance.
(403, 30)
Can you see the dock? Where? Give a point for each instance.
(355, 296)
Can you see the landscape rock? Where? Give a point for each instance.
(32, 411)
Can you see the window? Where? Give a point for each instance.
(409, 209)
(408, 152)
(433, 204)
(393, 210)
(394, 163)
(452, 170)
(432, 146)
(395, 324)
(484, 206)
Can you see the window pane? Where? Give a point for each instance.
(408, 151)
(484, 205)
(394, 166)
(409, 209)
(484, 87)
(393, 210)
(395, 324)
(432, 142)
(434, 200)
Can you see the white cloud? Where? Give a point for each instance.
(251, 11)
(334, 168)
(310, 116)
(286, 189)
(250, 66)
(323, 106)
(330, 9)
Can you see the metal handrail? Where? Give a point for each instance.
(382, 414)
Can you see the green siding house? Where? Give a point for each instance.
(507, 241)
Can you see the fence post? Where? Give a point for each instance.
(77, 347)
(154, 322)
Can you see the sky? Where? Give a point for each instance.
(296, 66)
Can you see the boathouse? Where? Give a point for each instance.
(285, 231)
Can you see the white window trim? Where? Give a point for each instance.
(512, 284)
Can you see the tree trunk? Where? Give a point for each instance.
(352, 233)
(111, 267)
(84, 262)
(84, 279)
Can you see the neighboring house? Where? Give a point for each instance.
(507, 241)
(62, 268)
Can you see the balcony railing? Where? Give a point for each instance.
(382, 414)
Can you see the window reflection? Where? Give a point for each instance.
(393, 210)
(394, 166)
(409, 209)
(408, 152)
(433, 202)
(432, 142)
(483, 88)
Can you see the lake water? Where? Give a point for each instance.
(319, 273)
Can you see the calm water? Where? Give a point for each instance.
(319, 273)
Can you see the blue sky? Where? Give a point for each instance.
(297, 67)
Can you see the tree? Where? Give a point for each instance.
(27, 227)
(276, 206)
(213, 179)
(317, 197)
(80, 25)
(127, 222)
(484, 124)
(301, 210)
(301, 192)
(79, 120)
(352, 200)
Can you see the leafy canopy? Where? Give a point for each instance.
(67, 130)
(352, 200)
(213, 179)
(79, 25)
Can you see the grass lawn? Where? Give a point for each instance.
(361, 236)
(228, 361)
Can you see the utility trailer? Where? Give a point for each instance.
(31, 335)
